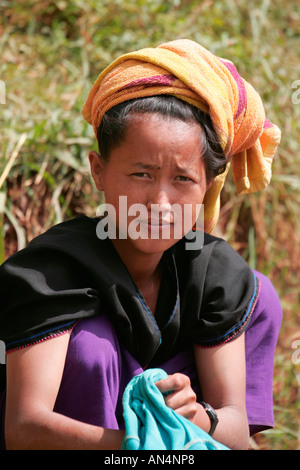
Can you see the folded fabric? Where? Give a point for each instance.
(151, 425)
(187, 70)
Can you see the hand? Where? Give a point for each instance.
(179, 395)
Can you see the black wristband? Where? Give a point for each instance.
(212, 416)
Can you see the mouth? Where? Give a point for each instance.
(156, 222)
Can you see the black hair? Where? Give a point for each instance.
(116, 120)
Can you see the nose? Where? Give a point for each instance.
(159, 200)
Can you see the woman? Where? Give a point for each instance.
(168, 122)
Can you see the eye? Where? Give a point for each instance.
(183, 178)
(141, 175)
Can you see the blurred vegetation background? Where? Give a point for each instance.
(51, 53)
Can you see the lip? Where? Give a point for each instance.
(156, 222)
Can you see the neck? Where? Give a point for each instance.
(144, 268)
(141, 266)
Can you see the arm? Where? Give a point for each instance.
(221, 372)
(222, 375)
(33, 379)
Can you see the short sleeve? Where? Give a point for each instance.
(230, 293)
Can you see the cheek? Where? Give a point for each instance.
(197, 194)
(197, 211)
(193, 216)
(192, 212)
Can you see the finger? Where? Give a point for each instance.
(179, 398)
(183, 402)
(188, 411)
(165, 385)
(172, 383)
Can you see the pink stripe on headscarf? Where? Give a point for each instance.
(242, 104)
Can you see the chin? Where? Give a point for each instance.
(151, 246)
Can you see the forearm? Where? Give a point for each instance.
(232, 429)
(49, 431)
(33, 379)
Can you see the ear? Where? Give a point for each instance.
(96, 166)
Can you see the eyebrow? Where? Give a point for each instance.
(151, 166)
(146, 166)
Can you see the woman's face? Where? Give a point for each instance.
(157, 165)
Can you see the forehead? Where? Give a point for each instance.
(154, 136)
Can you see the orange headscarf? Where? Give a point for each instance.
(185, 69)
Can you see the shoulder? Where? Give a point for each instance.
(218, 291)
(201, 244)
(214, 253)
(50, 283)
(56, 260)
(69, 238)
(67, 233)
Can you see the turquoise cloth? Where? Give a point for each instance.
(151, 425)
